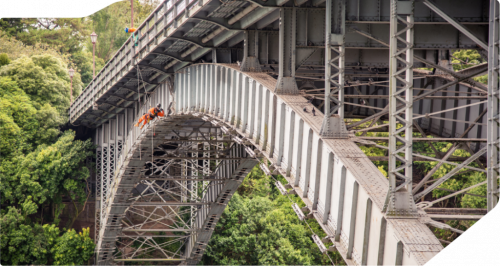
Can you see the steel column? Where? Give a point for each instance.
(493, 108)
(400, 202)
(286, 83)
(334, 70)
(250, 52)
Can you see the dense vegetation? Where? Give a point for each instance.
(259, 227)
(42, 165)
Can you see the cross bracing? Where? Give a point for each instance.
(356, 78)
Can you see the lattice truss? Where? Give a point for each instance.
(98, 193)
(334, 65)
(336, 76)
(161, 222)
(400, 100)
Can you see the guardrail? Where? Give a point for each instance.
(165, 16)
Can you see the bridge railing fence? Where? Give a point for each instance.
(162, 18)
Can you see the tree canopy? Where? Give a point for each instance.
(259, 227)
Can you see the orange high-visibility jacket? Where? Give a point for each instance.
(154, 112)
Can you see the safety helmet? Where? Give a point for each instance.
(159, 106)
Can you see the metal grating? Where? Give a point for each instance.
(178, 46)
(160, 60)
(227, 9)
(200, 30)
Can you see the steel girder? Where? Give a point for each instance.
(399, 200)
(141, 214)
(174, 21)
(287, 54)
(280, 130)
(332, 127)
(493, 107)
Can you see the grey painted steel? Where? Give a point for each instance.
(455, 23)
(340, 210)
(287, 52)
(334, 64)
(381, 243)
(339, 161)
(399, 254)
(354, 212)
(162, 45)
(493, 189)
(329, 181)
(366, 237)
(400, 202)
(168, 21)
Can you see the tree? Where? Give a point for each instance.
(23, 242)
(83, 64)
(47, 173)
(12, 26)
(73, 248)
(4, 59)
(259, 227)
(63, 34)
(110, 23)
(45, 79)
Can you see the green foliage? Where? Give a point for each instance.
(12, 26)
(63, 34)
(4, 59)
(47, 172)
(45, 79)
(259, 227)
(110, 23)
(463, 59)
(83, 62)
(73, 248)
(23, 242)
(16, 49)
(15, 117)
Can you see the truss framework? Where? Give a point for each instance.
(400, 202)
(334, 68)
(172, 202)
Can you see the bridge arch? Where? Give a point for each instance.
(222, 115)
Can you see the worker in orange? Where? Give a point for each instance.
(150, 115)
(156, 111)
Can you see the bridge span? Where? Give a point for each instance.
(343, 190)
(239, 80)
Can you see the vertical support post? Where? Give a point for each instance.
(287, 34)
(251, 52)
(400, 201)
(340, 212)
(214, 55)
(334, 73)
(352, 227)
(493, 107)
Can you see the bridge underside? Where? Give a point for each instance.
(174, 177)
(253, 72)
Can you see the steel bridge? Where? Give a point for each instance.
(287, 84)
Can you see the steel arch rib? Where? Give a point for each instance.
(245, 103)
